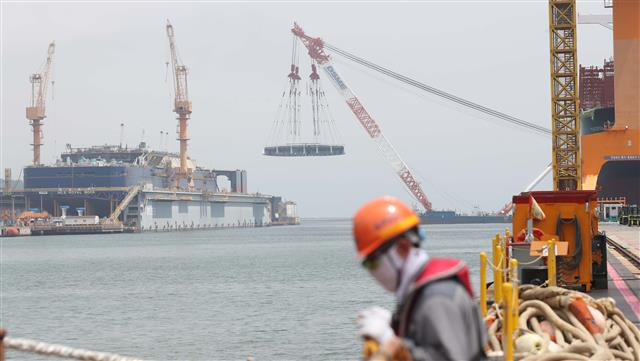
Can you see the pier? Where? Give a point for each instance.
(623, 265)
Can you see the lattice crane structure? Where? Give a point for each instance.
(181, 104)
(315, 46)
(36, 109)
(564, 96)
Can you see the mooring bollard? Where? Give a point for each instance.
(551, 262)
(508, 321)
(483, 283)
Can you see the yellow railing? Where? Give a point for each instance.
(497, 268)
(506, 285)
(509, 324)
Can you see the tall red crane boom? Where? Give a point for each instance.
(316, 51)
(182, 105)
(36, 109)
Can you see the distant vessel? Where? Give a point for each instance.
(451, 217)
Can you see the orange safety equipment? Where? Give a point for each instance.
(522, 235)
(379, 221)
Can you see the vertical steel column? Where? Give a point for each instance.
(564, 95)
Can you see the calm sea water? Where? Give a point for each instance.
(278, 293)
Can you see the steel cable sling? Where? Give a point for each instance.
(440, 93)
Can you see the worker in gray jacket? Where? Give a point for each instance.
(436, 317)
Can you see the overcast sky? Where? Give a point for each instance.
(110, 69)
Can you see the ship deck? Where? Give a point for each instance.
(623, 258)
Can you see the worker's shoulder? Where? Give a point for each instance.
(447, 288)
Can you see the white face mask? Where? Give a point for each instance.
(388, 272)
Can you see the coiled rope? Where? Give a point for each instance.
(48, 349)
(568, 338)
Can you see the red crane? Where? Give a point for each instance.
(36, 109)
(316, 51)
(182, 105)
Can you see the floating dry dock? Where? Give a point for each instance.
(139, 189)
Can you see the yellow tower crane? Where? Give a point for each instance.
(567, 214)
(36, 109)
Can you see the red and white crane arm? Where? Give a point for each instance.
(316, 51)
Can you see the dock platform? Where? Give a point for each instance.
(623, 258)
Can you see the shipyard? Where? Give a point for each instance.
(340, 181)
(114, 188)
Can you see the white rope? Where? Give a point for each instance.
(43, 348)
(532, 262)
(495, 268)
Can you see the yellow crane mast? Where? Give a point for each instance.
(36, 108)
(567, 214)
(564, 96)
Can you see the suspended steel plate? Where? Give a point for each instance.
(304, 150)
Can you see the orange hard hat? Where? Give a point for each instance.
(379, 221)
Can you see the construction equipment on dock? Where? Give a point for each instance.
(36, 109)
(564, 96)
(182, 106)
(567, 214)
(133, 191)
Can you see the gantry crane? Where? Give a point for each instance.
(36, 109)
(181, 104)
(317, 53)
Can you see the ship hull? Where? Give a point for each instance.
(450, 217)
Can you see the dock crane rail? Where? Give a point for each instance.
(438, 92)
